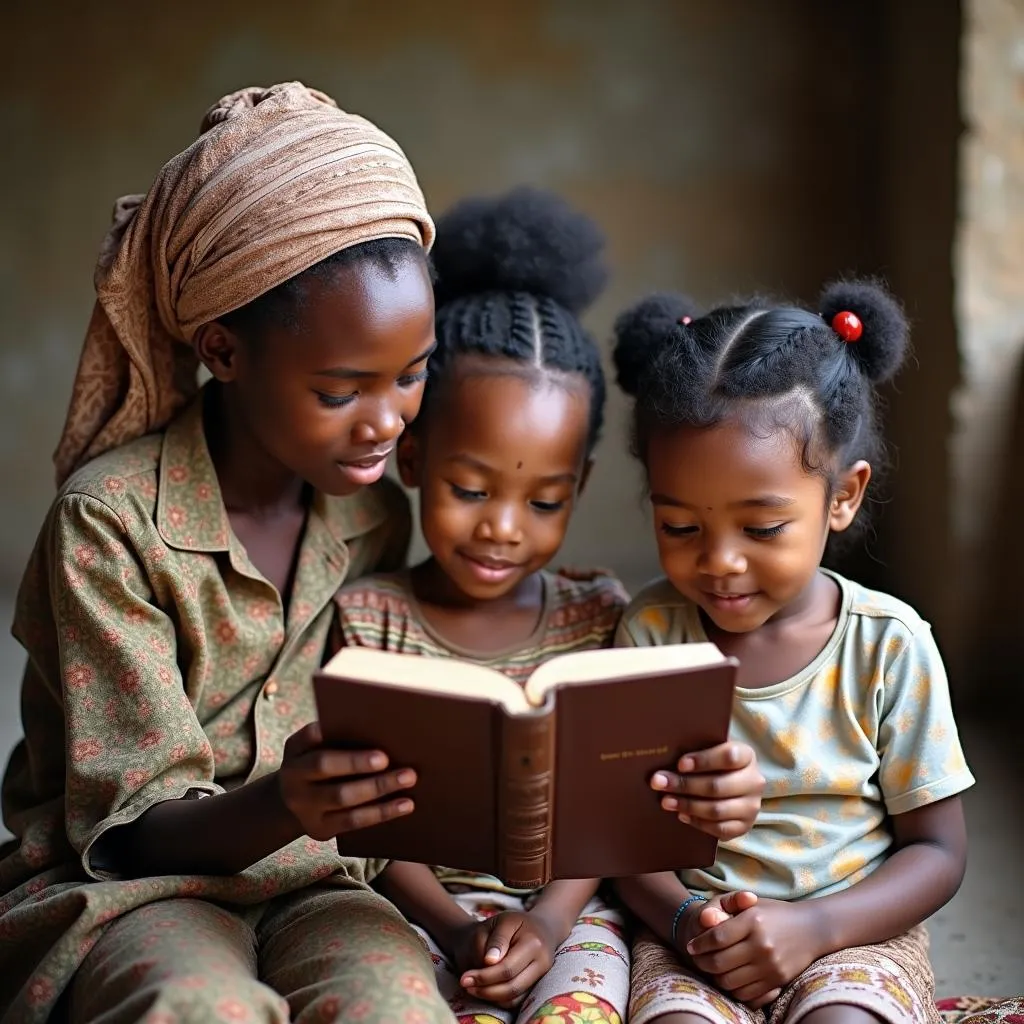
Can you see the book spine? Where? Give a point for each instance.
(526, 799)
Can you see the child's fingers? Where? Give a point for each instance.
(506, 993)
(335, 796)
(755, 996)
(369, 814)
(323, 763)
(763, 1000)
(732, 958)
(724, 819)
(727, 905)
(725, 830)
(721, 937)
(737, 979)
(504, 971)
(726, 757)
(736, 902)
(711, 786)
(710, 916)
(500, 938)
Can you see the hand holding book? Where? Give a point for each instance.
(329, 792)
(717, 791)
(528, 762)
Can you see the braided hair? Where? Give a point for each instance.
(774, 366)
(513, 275)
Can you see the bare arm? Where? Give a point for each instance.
(561, 903)
(654, 899)
(757, 951)
(217, 835)
(920, 877)
(417, 893)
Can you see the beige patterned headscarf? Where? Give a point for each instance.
(278, 180)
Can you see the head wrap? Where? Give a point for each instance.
(278, 180)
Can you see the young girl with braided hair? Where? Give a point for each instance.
(756, 426)
(499, 454)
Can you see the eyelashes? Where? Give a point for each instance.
(756, 532)
(334, 401)
(544, 507)
(337, 401)
(765, 532)
(412, 379)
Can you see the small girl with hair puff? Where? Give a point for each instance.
(499, 455)
(756, 426)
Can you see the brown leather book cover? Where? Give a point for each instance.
(550, 782)
(611, 739)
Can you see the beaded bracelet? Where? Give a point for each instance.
(689, 901)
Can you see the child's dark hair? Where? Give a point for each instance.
(775, 366)
(282, 307)
(513, 275)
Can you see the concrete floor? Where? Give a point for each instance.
(977, 940)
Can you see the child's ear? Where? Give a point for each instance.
(408, 459)
(218, 350)
(848, 496)
(585, 476)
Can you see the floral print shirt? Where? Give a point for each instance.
(161, 665)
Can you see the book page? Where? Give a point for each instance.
(617, 663)
(429, 675)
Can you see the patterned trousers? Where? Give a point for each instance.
(317, 955)
(892, 980)
(589, 980)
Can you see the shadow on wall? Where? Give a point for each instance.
(909, 550)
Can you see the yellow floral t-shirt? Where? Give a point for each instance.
(864, 732)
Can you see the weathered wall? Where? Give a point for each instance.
(724, 146)
(913, 161)
(987, 446)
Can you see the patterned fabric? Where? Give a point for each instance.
(161, 666)
(580, 613)
(892, 980)
(981, 1010)
(588, 982)
(278, 180)
(864, 732)
(324, 955)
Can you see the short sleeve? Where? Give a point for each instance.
(624, 636)
(650, 621)
(132, 738)
(361, 617)
(921, 760)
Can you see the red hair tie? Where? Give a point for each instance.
(848, 326)
(684, 320)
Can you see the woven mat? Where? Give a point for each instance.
(981, 1010)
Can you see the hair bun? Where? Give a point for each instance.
(882, 346)
(527, 240)
(642, 328)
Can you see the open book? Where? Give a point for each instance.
(530, 784)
